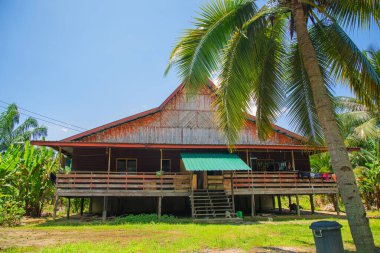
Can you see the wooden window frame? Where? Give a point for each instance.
(126, 164)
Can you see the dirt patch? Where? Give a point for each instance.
(40, 238)
(263, 250)
(281, 250)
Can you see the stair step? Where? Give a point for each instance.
(212, 197)
(211, 204)
(213, 207)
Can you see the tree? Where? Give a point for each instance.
(13, 132)
(321, 163)
(255, 60)
(359, 122)
(11, 208)
(25, 179)
(35, 168)
(367, 171)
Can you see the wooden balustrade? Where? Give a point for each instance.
(122, 184)
(279, 182)
(82, 183)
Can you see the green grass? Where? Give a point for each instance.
(147, 234)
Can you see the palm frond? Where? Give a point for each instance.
(373, 57)
(354, 118)
(354, 13)
(28, 124)
(302, 112)
(8, 119)
(198, 53)
(251, 71)
(38, 132)
(368, 129)
(347, 62)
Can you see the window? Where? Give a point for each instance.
(121, 165)
(126, 165)
(166, 165)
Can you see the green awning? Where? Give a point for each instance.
(213, 161)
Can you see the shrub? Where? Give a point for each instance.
(11, 212)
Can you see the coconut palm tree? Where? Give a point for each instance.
(359, 124)
(12, 131)
(254, 55)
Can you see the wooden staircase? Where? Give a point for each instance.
(212, 204)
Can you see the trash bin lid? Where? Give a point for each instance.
(325, 225)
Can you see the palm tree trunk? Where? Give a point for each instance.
(359, 224)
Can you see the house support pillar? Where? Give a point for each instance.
(104, 214)
(232, 191)
(289, 200)
(279, 203)
(109, 160)
(253, 205)
(293, 161)
(81, 206)
(298, 205)
(159, 207)
(68, 208)
(90, 207)
(55, 207)
(312, 203)
(192, 193)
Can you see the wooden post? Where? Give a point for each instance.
(293, 161)
(159, 207)
(312, 203)
(161, 161)
(104, 214)
(68, 208)
(55, 207)
(290, 199)
(247, 156)
(298, 205)
(253, 205)
(90, 207)
(59, 159)
(232, 192)
(337, 209)
(274, 202)
(81, 206)
(279, 203)
(109, 159)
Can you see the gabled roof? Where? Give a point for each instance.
(116, 123)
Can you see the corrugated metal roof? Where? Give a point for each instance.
(212, 162)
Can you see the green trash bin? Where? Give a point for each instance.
(327, 236)
(239, 214)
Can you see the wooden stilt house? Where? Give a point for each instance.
(172, 159)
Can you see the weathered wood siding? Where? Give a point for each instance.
(183, 120)
(148, 160)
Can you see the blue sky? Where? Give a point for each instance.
(90, 62)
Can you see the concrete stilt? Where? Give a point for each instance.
(55, 207)
(253, 205)
(68, 208)
(279, 203)
(159, 205)
(81, 206)
(298, 205)
(312, 203)
(104, 214)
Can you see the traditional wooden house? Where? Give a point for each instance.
(173, 159)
